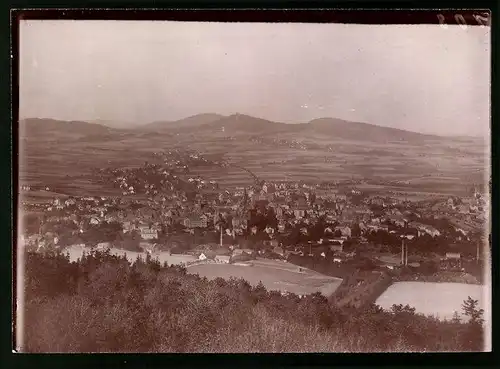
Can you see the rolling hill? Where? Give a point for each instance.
(245, 124)
(116, 124)
(189, 122)
(236, 124)
(355, 130)
(323, 128)
(35, 127)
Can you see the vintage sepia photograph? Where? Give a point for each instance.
(252, 187)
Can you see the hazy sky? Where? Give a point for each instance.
(422, 77)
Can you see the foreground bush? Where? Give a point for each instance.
(104, 304)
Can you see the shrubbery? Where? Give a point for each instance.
(104, 304)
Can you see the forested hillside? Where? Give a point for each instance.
(104, 304)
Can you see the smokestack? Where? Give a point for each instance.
(405, 248)
(402, 250)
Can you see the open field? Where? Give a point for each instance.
(40, 196)
(438, 299)
(274, 275)
(427, 165)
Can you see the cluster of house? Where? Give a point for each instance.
(292, 203)
(38, 242)
(466, 212)
(452, 262)
(336, 254)
(147, 220)
(222, 255)
(233, 253)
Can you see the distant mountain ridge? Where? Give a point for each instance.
(347, 129)
(323, 128)
(236, 124)
(114, 124)
(193, 121)
(42, 126)
(241, 123)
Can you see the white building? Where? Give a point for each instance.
(148, 233)
(224, 259)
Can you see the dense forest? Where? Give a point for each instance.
(103, 303)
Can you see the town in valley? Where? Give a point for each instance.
(233, 187)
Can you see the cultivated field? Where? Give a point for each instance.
(437, 299)
(425, 165)
(39, 196)
(274, 275)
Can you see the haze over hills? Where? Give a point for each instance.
(323, 128)
(245, 124)
(220, 74)
(235, 124)
(319, 128)
(217, 125)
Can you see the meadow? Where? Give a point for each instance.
(274, 275)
